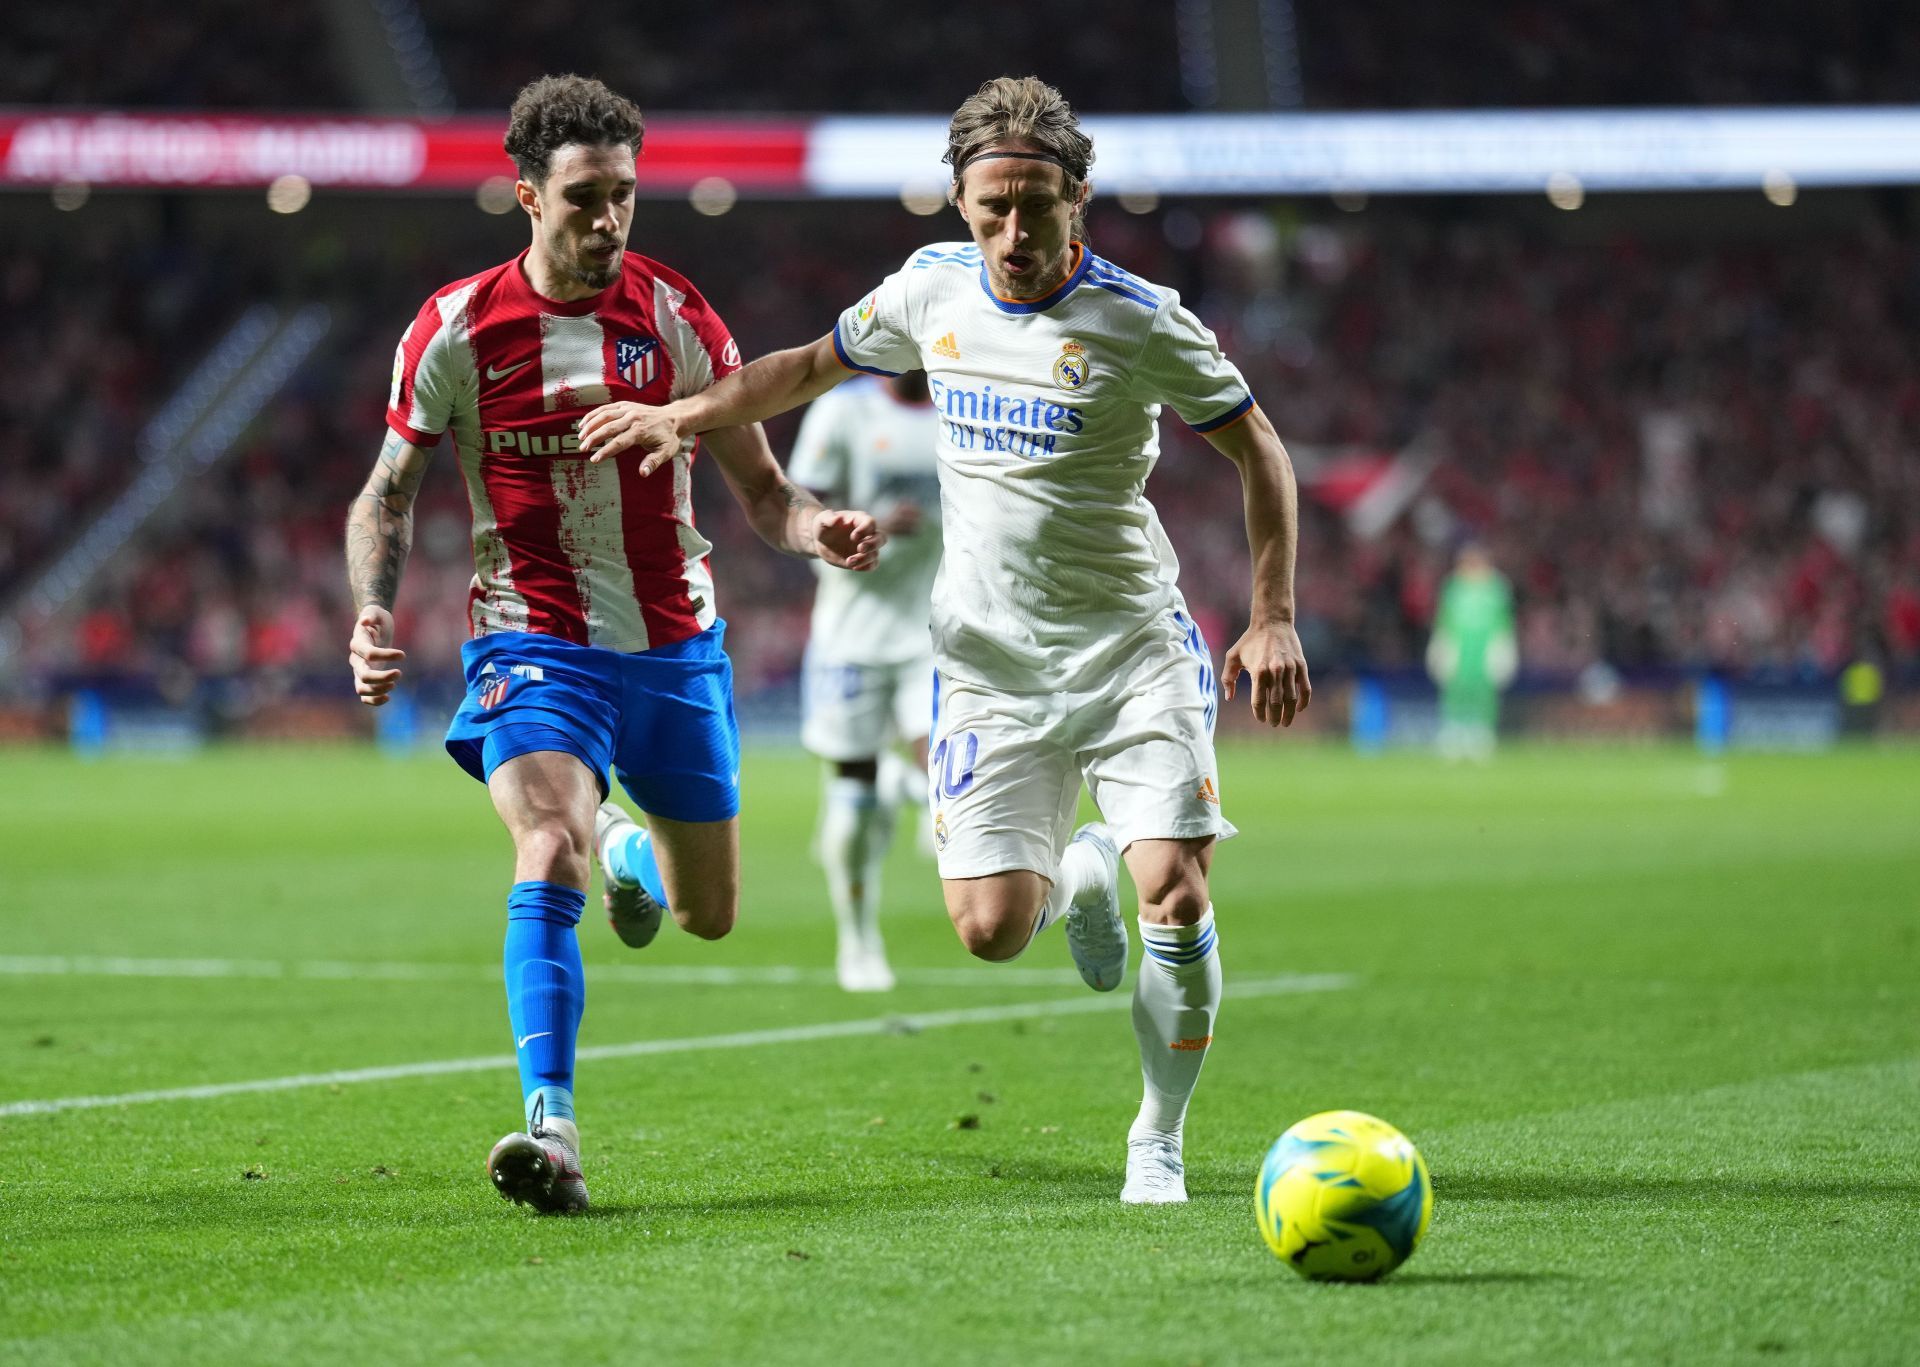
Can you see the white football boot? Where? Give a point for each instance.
(1095, 933)
(631, 910)
(861, 966)
(1156, 1174)
(541, 1169)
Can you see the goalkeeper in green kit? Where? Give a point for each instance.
(1472, 656)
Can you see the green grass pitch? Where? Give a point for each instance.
(1654, 1021)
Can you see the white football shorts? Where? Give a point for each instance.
(851, 712)
(1003, 781)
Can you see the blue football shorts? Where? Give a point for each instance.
(661, 718)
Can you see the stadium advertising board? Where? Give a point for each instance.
(218, 151)
(1487, 152)
(880, 156)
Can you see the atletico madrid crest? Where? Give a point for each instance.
(495, 693)
(637, 359)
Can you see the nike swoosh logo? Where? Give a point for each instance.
(521, 1043)
(493, 374)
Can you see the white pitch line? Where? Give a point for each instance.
(905, 1024)
(331, 970)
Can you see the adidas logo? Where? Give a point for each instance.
(1206, 792)
(947, 347)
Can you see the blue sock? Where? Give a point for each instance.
(631, 861)
(546, 992)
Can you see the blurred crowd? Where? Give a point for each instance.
(1527, 53)
(740, 56)
(116, 322)
(1685, 454)
(856, 56)
(210, 54)
(860, 55)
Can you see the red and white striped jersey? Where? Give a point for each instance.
(592, 554)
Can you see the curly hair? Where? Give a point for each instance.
(555, 111)
(1027, 109)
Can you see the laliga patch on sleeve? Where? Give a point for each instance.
(864, 315)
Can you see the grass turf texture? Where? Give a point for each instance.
(1654, 1022)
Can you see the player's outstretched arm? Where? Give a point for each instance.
(787, 517)
(754, 393)
(379, 535)
(1270, 650)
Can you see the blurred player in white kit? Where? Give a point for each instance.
(868, 680)
(1064, 648)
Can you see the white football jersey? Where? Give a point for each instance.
(863, 448)
(1056, 566)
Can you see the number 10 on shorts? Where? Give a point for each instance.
(954, 752)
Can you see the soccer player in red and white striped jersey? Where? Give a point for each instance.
(595, 636)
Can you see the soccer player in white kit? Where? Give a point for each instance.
(868, 677)
(1064, 648)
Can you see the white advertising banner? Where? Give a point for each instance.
(1481, 152)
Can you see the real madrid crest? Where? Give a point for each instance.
(1071, 370)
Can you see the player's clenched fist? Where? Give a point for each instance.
(847, 539)
(1273, 660)
(615, 427)
(375, 660)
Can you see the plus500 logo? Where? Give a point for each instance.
(533, 443)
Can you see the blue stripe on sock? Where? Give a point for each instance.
(1179, 954)
(1185, 955)
(1173, 946)
(1181, 961)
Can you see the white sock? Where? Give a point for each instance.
(879, 841)
(854, 833)
(1081, 869)
(1176, 997)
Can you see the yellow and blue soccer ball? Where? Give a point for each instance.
(1343, 1196)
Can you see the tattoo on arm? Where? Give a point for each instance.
(800, 507)
(380, 523)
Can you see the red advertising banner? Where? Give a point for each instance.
(192, 150)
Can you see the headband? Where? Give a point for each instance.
(1020, 156)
